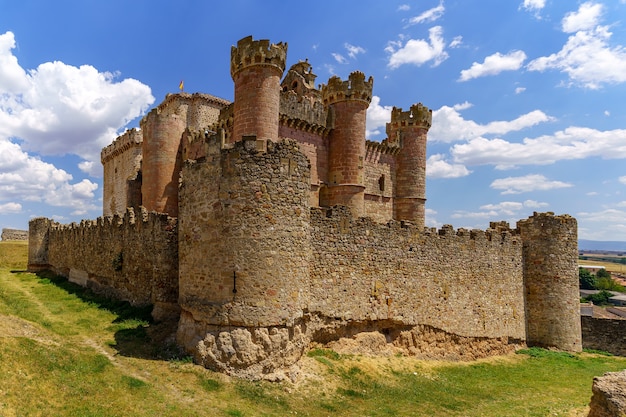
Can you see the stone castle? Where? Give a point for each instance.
(270, 224)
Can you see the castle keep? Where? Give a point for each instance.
(270, 224)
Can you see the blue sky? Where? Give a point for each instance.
(528, 96)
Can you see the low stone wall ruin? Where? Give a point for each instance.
(14, 234)
(608, 335)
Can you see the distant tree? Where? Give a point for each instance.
(586, 280)
(603, 273)
(599, 299)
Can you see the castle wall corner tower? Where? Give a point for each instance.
(550, 263)
(409, 130)
(256, 68)
(348, 102)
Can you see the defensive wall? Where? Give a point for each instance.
(14, 234)
(131, 257)
(608, 335)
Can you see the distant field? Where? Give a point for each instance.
(609, 262)
(66, 352)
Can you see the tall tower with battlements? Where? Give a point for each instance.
(347, 102)
(256, 68)
(550, 261)
(409, 130)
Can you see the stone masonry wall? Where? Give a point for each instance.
(608, 335)
(467, 283)
(379, 182)
(14, 234)
(244, 253)
(122, 162)
(129, 258)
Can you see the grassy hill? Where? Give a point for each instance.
(66, 352)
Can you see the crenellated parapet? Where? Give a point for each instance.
(127, 140)
(355, 88)
(249, 52)
(296, 107)
(418, 116)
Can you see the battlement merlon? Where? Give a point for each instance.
(418, 115)
(130, 138)
(249, 52)
(355, 88)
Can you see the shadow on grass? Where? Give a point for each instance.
(136, 334)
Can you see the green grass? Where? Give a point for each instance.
(67, 352)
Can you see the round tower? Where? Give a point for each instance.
(408, 130)
(550, 264)
(162, 130)
(348, 102)
(256, 68)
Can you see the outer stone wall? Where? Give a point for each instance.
(133, 259)
(464, 283)
(14, 234)
(608, 335)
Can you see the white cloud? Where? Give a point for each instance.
(30, 179)
(429, 15)
(438, 167)
(520, 90)
(527, 183)
(587, 57)
(339, 58)
(418, 51)
(533, 5)
(569, 144)
(450, 126)
(456, 42)
(499, 210)
(377, 116)
(607, 113)
(404, 8)
(10, 208)
(494, 64)
(353, 50)
(586, 18)
(622, 179)
(59, 109)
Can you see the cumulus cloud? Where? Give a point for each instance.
(533, 5)
(438, 167)
(622, 179)
(339, 58)
(450, 126)
(418, 51)
(59, 109)
(587, 17)
(520, 90)
(377, 117)
(526, 183)
(456, 42)
(499, 210)
(429, 15)
(10, 208)
(27, 178)
(569, 144)
(587, 57)
(494, 64)
(353, 50)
